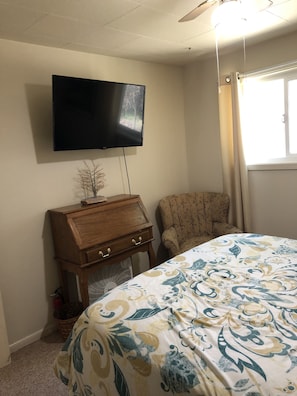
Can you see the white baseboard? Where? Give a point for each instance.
(32, 338)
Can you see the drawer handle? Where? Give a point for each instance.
(104, 255)
(137, 243)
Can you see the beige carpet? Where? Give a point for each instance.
(31, 370)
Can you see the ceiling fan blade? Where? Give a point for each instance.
(197, 11)
(254, 6)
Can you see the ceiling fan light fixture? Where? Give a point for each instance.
(229, 17)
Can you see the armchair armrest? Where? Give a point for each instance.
(224, 228)
(170, 241)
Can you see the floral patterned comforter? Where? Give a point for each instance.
(220, 319)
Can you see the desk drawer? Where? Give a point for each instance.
(117, 246)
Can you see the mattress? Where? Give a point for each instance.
(219, 319)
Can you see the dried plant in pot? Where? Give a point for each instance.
(91, 179)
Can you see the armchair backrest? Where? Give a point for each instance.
(193, 214)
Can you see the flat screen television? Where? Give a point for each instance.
(94, 114)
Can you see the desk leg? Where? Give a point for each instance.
(64, 284)
(151, 254)
(83, 288)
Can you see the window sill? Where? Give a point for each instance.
(273, 166)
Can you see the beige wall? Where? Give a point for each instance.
(202, 127)
(273, 191)
(274, 197)
(35, 179)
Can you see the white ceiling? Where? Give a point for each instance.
(145, 30)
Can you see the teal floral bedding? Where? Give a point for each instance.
(220, 319)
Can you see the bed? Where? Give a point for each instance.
(220, 319)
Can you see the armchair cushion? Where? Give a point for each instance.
(195, 241)
(190, 219)
(224, 228)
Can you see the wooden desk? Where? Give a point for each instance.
(86, 237)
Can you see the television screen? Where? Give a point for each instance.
(94, 114)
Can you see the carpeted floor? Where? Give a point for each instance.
(31, 370)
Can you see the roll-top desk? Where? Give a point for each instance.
(86, 237)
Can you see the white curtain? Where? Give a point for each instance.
(235, 177)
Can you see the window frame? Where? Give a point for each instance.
(287, 75)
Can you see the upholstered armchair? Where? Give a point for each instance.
(190, 219)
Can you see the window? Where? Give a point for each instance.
(269, 117)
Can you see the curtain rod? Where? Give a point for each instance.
(273, 69)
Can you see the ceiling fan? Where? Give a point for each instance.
(260, 5)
